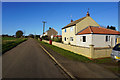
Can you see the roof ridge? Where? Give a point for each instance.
(90, 29)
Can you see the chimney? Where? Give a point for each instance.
(88, 13)
(71, 20)
(49, 27)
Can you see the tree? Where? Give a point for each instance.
(113, 28)
(31, 35)
(19, 33)
(108, 27)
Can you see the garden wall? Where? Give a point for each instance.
(89, 52)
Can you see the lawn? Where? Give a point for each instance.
(10, 42)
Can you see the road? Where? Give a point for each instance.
(28, 60)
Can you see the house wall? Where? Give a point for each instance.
(68, 34)
(88, 21)
(79, 40)
(51, 32)
(99, 40)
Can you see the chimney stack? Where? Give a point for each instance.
(71, 20)
(49, 27)
(88, 13)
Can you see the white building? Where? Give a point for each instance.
(85, 31)
(97, 36)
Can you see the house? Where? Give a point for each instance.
(50, 32)
(85, 31)
(97, 36)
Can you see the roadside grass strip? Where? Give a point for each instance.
(7, 45)
(66, 53)
(77, 57)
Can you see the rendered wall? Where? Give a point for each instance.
(88, 21)
(90, 52)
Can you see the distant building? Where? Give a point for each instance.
(50, 32)
(56, 36)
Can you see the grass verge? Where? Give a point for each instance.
(7, 45)
(66, 53)
(107, 63)
(74, 56)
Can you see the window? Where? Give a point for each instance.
(84, 38)
(65, 30)
(107, 38)
(71, 38)
(65, 39)
(71, 29)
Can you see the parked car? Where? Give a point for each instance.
(116, 52)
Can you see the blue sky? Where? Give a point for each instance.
(28, 16)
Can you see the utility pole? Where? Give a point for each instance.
(44, 26)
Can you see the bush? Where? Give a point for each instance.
(45, 37)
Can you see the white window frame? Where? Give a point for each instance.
(83, 39)
(71, 28)
(107, 38)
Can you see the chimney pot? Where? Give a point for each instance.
(71, 20)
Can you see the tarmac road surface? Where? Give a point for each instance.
(28, 60)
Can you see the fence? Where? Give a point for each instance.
(89, 52)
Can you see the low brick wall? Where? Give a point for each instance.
(79, 50)
(89, 52)
(102, 52)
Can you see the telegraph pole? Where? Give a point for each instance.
(44, 26)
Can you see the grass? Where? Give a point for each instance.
(66, 53)
(104, 60)
(9, 38)
(74, 56)
(107, 63)
(10, 42)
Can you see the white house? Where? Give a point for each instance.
(85, 31)
(97, 36)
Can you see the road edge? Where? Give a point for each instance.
(65, 70)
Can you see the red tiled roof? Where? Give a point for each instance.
(98, 30)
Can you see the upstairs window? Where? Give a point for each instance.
(84, 38)
(71, 29)
(65, 30)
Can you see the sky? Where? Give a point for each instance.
(28, 16)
